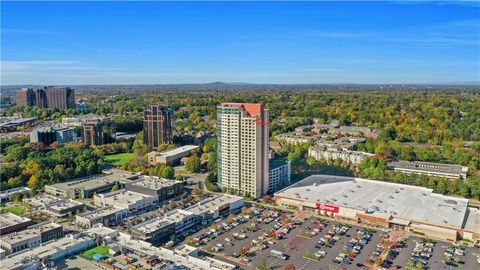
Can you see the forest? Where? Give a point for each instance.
(23, 164)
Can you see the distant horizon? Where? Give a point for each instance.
(278, 43)
(472, 83)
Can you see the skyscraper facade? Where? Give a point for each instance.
(60, 97)
(25, 97)
(158, 125)
(98, 131)
(47, 97)
(242, 148)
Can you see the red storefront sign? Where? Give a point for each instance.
(328, 208)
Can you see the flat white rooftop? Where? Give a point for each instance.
(29, 233)
(9, 192)
(41, 200)
(99, 213)
(53, 247)
(9, 219)
(153, 182)
(428, 167)
(212, 203)
(63, 205)
(381, 198)
(155, 224)
(176, 151)
(123, 198)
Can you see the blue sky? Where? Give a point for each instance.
(257, 42)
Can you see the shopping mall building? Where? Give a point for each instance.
(387, 205)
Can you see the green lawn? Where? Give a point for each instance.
(17, 210)
(96, 250)
(119, 159)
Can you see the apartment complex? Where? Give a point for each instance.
(448, 171)
(158, 125)
(297, 138)
(47, 97)
(279, 174)
(334, 153)
(98, 131)
(242, 148)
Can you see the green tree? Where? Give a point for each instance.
(212, 162)
(193, 164)
(116, 187)
(168, 173)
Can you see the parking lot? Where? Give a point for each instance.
(298, 244)
(438, 255)
(248, 242)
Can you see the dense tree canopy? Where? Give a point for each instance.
(24, 165)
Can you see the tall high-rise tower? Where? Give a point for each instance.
(60, 97)
(242, 148)
(47, 97)
(25, 97)
(158, 125)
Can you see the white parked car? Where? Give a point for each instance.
(318, 254)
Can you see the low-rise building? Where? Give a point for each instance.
(306, 128)
(178, 222)
(278, 175)
(6, 195)
(105, 216)
(382, 204)
(55, 206)
(297, 138)
(84, 187)
(342, 143)
(350, 130)
(41, 200)
(171, 157)
(64, 208)
(159, 230)
(132, 201)
(322, 152)
(12, 223)
(163, 189)
(56, 251)
(185, 257)
(14, 124)
(429, 168)
(216, 206)
(32, 237)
